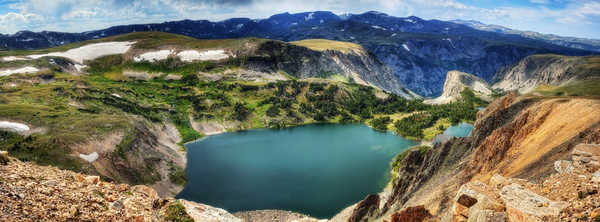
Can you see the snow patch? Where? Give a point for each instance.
(405, 47)
(239, 26)
(394, 34)
(13, 127)
(309, 17)
(410, 20)
(90, 52)
(378, 27)
(450, 40)
(116, 95)
(26, 69)
(191, 55)
(12, 58)
(153, 56)
(90, 157)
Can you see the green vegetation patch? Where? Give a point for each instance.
(175, 212)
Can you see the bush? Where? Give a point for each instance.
(273, 111)
(176, 213)
(240, 112)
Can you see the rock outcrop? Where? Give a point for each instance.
(456, 82)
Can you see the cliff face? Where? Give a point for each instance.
(519, 139)
(536, 70)
(357, 66)
(456, 82)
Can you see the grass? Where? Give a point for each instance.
(324, 44)
(579, 88)
(438, 128)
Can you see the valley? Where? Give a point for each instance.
(366, 117)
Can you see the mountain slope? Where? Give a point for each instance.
(456, 82)
(259, 55)
(513, 156)
(572, 42)
(404, 44)
(556, 70)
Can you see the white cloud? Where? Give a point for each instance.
(82, 15)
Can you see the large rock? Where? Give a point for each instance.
(205, 213)
(476, 201)
(525, 205)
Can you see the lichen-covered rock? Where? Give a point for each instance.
(525, 205)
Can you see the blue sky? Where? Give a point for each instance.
(579, 18)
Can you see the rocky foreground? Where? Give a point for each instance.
(30, 192)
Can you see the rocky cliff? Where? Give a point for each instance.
(546, 69)
(521, 149)
(456, 82)
(356, 65)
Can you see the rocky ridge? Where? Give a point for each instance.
(456, 82)
(546, 69)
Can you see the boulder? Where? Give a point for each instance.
(563, 166)
(525, 205)
(411, 214)
(476, 200)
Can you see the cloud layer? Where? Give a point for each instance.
(579, 18)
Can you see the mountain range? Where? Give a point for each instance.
(419, 52)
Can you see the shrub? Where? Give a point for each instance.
(176, 213)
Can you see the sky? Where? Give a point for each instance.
(577, 18)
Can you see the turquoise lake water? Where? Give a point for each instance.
(460, 130)
(316, 169)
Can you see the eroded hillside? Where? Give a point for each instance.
(527, 139)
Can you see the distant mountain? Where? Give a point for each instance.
(420, 52)
(572, 42)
